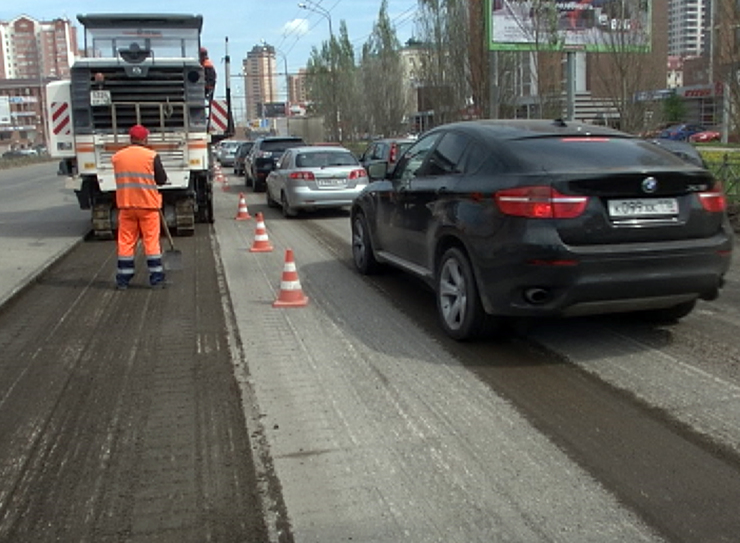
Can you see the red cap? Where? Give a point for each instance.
(138, 132)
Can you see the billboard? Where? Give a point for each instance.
(273, 109)
(562, 25)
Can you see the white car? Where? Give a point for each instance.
(226, 151)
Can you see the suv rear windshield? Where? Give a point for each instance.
(281, 145)
(580, 154)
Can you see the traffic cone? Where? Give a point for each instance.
(219, 177)
(224, 182)
(243, 213)
(291, 294)
(218, 174)
(261, 244)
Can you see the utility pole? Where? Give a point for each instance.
(227, 63)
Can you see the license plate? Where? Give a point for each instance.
(333, 182)
(643, 207)
(100, 98)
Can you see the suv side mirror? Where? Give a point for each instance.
(377, 170)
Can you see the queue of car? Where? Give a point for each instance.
(226, 152)
(511, 219)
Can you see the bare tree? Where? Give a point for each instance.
(532, 76)
(622, 65)
(445, 62)
(727, 60)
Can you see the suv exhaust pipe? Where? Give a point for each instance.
(537, 295)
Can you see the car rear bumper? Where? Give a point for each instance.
(305, 198)
(580, 282)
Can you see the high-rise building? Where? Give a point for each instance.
(31, 53)
(260, 80)
(686, 24)
(31, 49)
(297, 93)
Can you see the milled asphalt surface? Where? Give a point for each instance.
(361, 450)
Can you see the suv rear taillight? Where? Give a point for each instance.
(539, 202)
(713, 200)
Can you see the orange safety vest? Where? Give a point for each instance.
(135, 184)
(209, 73)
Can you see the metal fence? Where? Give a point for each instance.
(727, 171)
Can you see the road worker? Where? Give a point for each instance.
(209, 72)
(139, 172)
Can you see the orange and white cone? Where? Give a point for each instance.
(291, 294)
(242, 213)
(261, 243)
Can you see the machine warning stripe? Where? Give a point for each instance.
(219, 114)
(59, 109)
(219, 108)
(59, 128)
(60, 118)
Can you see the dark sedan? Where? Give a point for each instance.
(538, 218)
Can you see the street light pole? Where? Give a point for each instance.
(335, 110)
(287, 77)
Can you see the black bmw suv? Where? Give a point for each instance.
(528, 218)
(263, 156)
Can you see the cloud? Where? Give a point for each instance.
(296, 27)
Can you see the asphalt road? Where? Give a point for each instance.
(353, 418)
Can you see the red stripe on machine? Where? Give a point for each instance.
(219, 114)
(58, 109)
(60, 118)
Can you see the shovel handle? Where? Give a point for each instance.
(166, 229)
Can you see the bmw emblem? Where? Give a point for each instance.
(649, 185)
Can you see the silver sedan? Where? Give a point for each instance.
(315, 177)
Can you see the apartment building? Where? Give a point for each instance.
(687, 20)
(31, 49)
(31, 53)
(259, 70)
(297, 92)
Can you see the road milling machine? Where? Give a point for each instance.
(137, 69)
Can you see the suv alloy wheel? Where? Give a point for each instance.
(458, 302)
